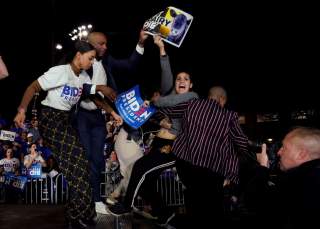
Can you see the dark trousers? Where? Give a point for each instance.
(203, 194)
(143, 179)
(66, 148)
(92, 131)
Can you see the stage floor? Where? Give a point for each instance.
(14, 216)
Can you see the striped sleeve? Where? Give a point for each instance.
(175, 111)
(239, 139)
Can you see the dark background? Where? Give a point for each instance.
(265, 54)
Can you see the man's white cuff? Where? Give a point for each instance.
(139, 50)
(93, 89)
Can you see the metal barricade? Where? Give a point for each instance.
(54, 190)
(61, 191)
(2, 190)
(168, 184)
(46, 190)
(111, 180)
(171, 187)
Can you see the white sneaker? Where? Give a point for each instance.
(112, 198)
(112, 201)
(101, 208)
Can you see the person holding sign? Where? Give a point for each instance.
(9, 174)
(33, 157)
(148, 168)
(9, 164)
(65, 85)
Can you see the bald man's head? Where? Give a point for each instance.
(218, 94)
(99, 41)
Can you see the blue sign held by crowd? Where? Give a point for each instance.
(35, 171)
(131, 108)
(17, 182)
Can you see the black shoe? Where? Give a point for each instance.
(118, 209)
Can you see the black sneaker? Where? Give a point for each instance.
(118, 209)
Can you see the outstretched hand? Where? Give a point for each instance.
(159, 42)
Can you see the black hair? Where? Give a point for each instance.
(83, 47)
(183, 68)
(190, 75)
(78, 46)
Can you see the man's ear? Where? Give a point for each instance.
(222, 101)
(191, 85)
(303, 155)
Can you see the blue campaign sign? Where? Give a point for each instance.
(34, 171)
(17, 182)
(130, 106)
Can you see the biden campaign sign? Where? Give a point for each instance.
(132, 109)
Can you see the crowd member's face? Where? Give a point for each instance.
(24, 136)
(33, 148)
(9, 153)
(35, 123)
(40, 141)
(99, 41)
(289, 153)
(183, 83)
(86, 59)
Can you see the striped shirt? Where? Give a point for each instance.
(210, 136)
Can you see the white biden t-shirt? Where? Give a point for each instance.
(63, 85)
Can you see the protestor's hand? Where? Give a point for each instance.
(158, 41)
(146, 103)
(109, 93)
(165, 123)
(142, 38)
(155, 97)
(262, 157)
(19, 119)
